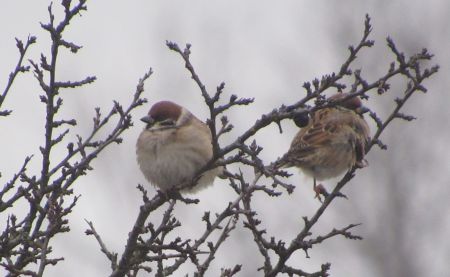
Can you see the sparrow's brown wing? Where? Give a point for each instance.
(357, 128)
(331, 133)
(307, 144)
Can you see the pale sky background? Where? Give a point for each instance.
(261, 49)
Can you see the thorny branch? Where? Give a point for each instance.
(152, 247)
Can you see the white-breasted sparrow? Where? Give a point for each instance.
(173, 147)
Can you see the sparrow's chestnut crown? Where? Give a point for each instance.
(162, 111)
(353, 103)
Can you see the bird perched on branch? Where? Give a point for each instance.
(333, 141)
(173, 147)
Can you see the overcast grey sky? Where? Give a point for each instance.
(261, 49)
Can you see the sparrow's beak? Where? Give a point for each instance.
(362, 110)
(148, 120)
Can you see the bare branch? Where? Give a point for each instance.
(112, 257)
(155, 246)
(20, 68)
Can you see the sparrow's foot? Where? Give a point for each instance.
(362, 163)
(320, 190)
(172, 193)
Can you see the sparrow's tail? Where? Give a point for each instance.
(278, 164)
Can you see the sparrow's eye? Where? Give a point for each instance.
(167, 122)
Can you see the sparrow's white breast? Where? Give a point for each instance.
(171, 157)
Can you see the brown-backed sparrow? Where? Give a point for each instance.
(173, 147)
(333, 141)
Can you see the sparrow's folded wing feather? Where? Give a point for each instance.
(307, 144)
